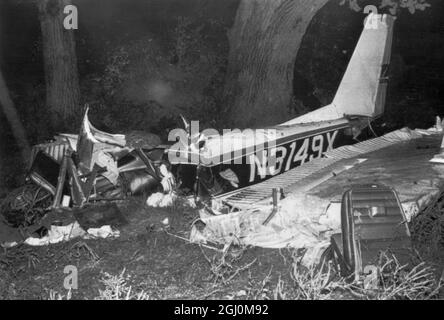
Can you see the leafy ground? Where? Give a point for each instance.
(150, 261)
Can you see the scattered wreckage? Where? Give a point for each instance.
(220, 170)
(76, 171)
(372, 220)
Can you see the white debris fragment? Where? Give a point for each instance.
(103, 232)
(191, 202)
(241, 293)
(154, 200)
(65, 201)
(9, 245)
(196, 236)
(439, 124)
(65, 233)
(439, 158)
(168, 201)
(231, 177)
(168, 181)
(166, 222)
(332, 217)
(314, 254)
(106, 160)
(58, 234)
(160, 200)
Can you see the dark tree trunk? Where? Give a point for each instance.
(264, 42)
(13, 118)
(61, 74)
(2, 19)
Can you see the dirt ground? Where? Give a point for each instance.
(153, 260)
(156, 261)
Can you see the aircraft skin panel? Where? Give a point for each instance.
(238, 144)
(328, 112)
(383, 81)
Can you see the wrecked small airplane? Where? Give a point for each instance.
(77, 169)
(213, 164)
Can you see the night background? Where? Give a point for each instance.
(142, 63)
(156, 59)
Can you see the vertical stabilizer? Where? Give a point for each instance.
(363, 88)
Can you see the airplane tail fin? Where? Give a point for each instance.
(363, 88)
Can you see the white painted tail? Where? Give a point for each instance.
(363, 88)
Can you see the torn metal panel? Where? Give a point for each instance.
(372, 220)
(60, 182)
(44, 171)
(439, 158)
(55, 149)
(97, 147)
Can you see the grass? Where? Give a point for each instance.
(393, 281)
(117, 288)
(428, 228)
(223, 265)
(233, 275)
(55, 295)
(312, 283)
(398, 282)
(151, 264)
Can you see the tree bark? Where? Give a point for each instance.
(60, 60)
(264, 42)
(13, 118)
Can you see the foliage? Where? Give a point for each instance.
(24, 206)
(428, 228)
(155, 81)
(397, 282)
(222, 265)
(117, 288)
(55, 295)
(393, 6)
(394, 282)
(310, 283)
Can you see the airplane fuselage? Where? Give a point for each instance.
(287, 153)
